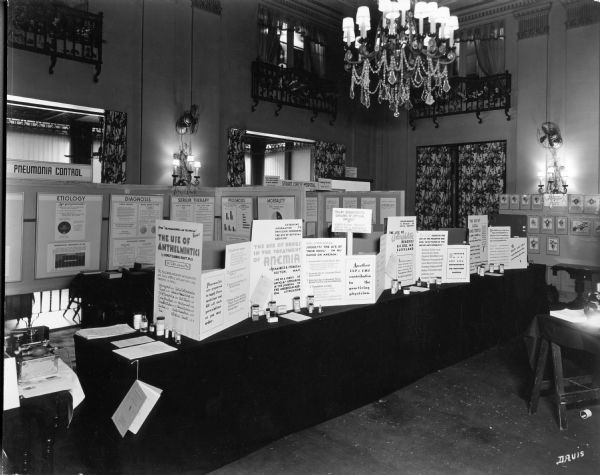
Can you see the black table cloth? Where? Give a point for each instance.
(256, 382)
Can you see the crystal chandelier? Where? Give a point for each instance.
(403, 54)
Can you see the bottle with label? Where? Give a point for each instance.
(144, 324)
(160, 326)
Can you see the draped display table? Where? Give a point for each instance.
(256, 382)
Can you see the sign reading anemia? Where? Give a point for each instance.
(48, 171)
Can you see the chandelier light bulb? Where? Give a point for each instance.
(348, 28)
(432, 8)
(420, 13)
(363, 20)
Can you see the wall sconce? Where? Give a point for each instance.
(553, 180)
(186, 169)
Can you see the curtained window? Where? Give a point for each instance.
(290, 42)
(42, 147)
(455, 181)
(481, 50)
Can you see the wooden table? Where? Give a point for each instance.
(580, 273)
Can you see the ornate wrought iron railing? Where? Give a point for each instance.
(467, 95)
(55, 30)
(293, 87)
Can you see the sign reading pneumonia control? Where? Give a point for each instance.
(48, 171)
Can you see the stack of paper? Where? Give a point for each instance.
(147, 349)
(105, 332)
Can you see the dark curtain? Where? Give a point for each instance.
(481, 178)
(486, 42)
(433, 188)
(236, 169)
(314, 49)
(269, 29)
(270, 26)
(474, 187)
(329, 160)
(113, 156)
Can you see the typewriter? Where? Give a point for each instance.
(33, 352)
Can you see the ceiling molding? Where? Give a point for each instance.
(477, 14)
(581, 13)
(533, 21)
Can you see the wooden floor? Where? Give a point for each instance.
(470, 418)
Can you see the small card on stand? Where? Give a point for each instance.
(135, 407)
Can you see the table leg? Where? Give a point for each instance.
(559, 386)
(539, 376)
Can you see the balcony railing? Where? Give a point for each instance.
(57, 31)
(293, 87)
(468, 95)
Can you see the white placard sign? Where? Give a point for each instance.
(237, 270)
(518, 253)
(133, 229)
(236, 218)
(324, 270)
(431, 254)
(351, 220)
(361, 279)
(177, 276)
(276, 258)
(195, 209)
(324, 184)
(271, 180)
(457, 264)
(478, 227)
(499, 245)
(213, 316)
(33, 170)
(400, 249)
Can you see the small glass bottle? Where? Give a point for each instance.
(160, 326)
(137, 321)
(255, 312)
(144, 324)
(272, 309)
(310, 303)
(394, 288)
(296, 302)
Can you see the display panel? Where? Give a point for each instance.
(14, 237)
(68, 234)
(132, 229)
